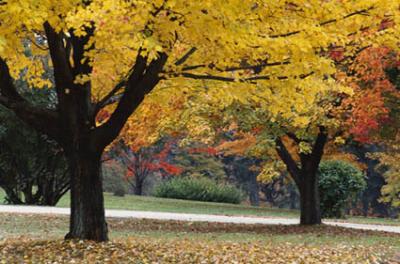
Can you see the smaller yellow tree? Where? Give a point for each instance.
(296, 120)
(389, 163)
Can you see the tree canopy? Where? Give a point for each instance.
(281, 43)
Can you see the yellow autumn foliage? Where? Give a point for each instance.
(287, 39)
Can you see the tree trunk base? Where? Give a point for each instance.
(99, 236)
(311, 222)
(87, 219)
(309, 200)
(310, 207)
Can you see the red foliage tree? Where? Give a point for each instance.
(146, 161)
(367, 111)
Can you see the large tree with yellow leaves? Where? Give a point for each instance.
(112, 53)
(297, 120)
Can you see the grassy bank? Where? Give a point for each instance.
(146, 203)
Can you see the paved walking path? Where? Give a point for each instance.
(190, 217)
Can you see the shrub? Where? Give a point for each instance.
(33, 169)
(120, 191)
(339, 183)
(199, 189)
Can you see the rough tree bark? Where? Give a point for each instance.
(305, 176)
(87, 206)
(309, 196)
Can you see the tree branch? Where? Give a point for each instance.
(290, 163)
(256, 68)
(310, 161)
(319, 145)
(141, 81)
(231, 79)
(81, 65)
(64, 78)
(108, 99)
(7, 88)
(43, 120)
(133, 76)
(327, 22)
(185, 57)
(293, 137)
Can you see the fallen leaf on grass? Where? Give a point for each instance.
(140, 250)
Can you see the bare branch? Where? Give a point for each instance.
(256, 68)
(231, 79)
(185, 57)
(327, 22)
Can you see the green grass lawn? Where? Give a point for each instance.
(369, 220)
(146, 203)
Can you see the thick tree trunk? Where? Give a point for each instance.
(310, 212)
(87, 220)
(306, 176)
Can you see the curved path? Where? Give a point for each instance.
(191, 217)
